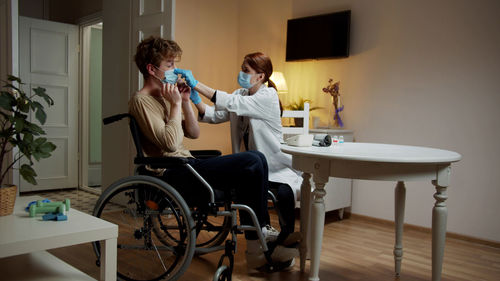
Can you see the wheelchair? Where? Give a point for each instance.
(158, 232)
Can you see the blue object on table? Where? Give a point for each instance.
(49, 217)
(27, 209)
(61, 217)
(54, 217)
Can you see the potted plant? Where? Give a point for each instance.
(299, 105)
(16, 130)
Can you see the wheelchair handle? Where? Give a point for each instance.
(114, 118)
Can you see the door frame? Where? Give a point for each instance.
(9, 37)
(83, 116)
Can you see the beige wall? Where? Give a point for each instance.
(207, 33)
(215, 36)
(420, 73)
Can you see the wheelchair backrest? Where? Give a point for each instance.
(134, 130)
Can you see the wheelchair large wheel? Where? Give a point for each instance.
(133, 203)
(211, 231)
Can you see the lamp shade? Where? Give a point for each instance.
(279, 80)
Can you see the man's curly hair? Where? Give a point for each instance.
(153, 50)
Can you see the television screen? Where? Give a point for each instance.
(316, 37)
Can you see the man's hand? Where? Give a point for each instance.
(171, 93)
(184, 91)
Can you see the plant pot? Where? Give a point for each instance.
(298, 122)
(7, 199)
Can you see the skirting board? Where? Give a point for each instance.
(457, 236)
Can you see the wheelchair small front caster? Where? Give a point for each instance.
(223, 273)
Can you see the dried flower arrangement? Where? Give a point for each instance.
(333, 89)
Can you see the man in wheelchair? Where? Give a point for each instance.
(164, 116)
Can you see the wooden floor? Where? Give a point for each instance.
(353, 249)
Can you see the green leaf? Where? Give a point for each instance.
(41, 116)
(28, 138)
(19, 124)
(41, 92)
(36, 105)
(40, 141)
(14, 78)
(34, 128)
(47, 147)
(13, 87)
(28, 173)
(23, 105)
(7, 101)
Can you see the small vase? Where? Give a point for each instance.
(298, 122)
(7, 199)
(335, 120)
(331, 116)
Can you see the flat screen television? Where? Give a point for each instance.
(318, 37)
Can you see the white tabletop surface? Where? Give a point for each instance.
(376, 152)
(20, 233)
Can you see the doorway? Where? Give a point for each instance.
(91, 110)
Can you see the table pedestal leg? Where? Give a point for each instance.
(305, 205)
(439, 217)
(399, 201)
(318, 221)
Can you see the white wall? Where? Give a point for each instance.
(421, 73)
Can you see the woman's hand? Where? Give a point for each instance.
(188, 75)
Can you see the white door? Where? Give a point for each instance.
(49, 59)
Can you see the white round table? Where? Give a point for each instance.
(372, 161)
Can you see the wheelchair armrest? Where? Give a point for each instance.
(160, 162)
(204, 154)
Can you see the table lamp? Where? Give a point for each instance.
(280, 82)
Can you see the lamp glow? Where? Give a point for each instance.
(280, 82)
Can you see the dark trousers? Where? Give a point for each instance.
(244, 175)
(285, 206)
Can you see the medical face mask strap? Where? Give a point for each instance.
(161, 80)
(169, 76)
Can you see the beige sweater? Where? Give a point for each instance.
(159, 136)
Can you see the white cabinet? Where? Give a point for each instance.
(338, 191)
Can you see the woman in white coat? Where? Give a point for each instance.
(255, 115)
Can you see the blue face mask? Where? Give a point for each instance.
(244, 80)
(170, 77)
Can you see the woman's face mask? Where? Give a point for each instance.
(244, 80)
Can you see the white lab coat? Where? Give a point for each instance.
(265, 131)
